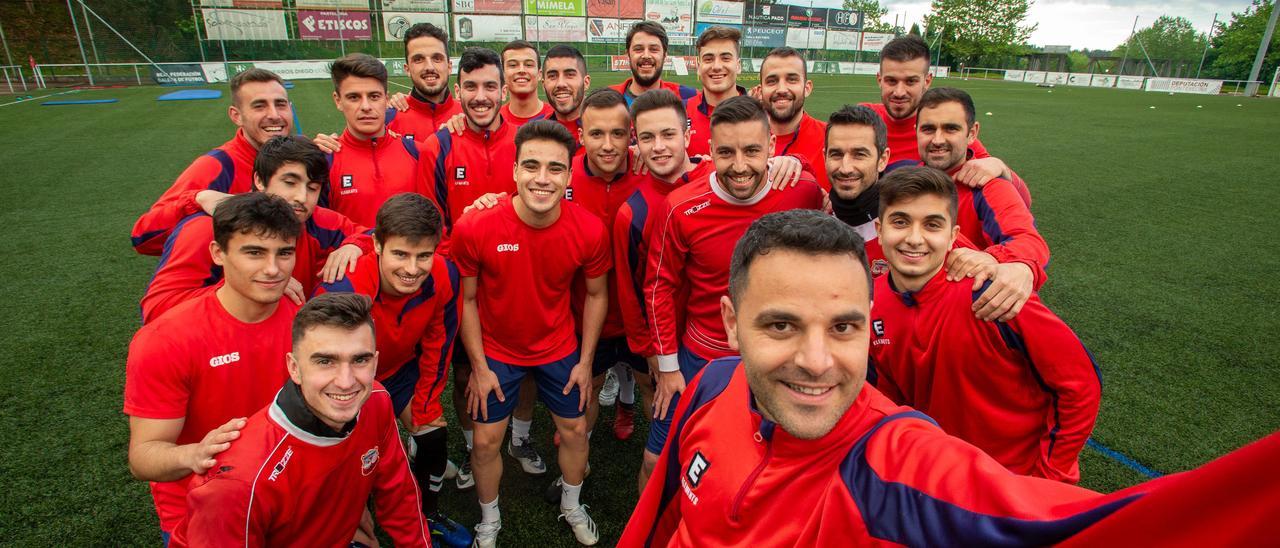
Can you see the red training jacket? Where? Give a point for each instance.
(457, 169)
(423, 117)
(998, 222)
(546, 113)
(363, 174)
(682, 91)
(699, 114)
(602, 198)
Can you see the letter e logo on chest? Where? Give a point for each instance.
(697, 467)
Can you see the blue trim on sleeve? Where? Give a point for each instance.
(990, 225)
(226, 175)
(1014, 341)
(339, 286)
(328, 238)
(409, 147)
(450, 327)
(635, 239)
(442, 183)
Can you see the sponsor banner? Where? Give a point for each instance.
(801, 38)
(394, 24)
(568, 8)
(674, 15)
(940, 72)
(333, 4)
(487, 6)
(395, 67)
(604, 30)
(766, 15)
(487, 28)
(185, 74)
(540, 28)
(1061, 50)
(617, 9)
(214, 72)
(242, 3)
(412, 5)
(844, 19)
(702, 27)
(846, 67)
(798, 16)
(749, 65)
(1078, 79)
(1130, 82)
(1014, 75)
(622, 63)
(1057, 78)
(225, 24)
(1034, 76)
(764, 37)
(1102, 81)
(1185, 85)
(874, 41)
(334, 25)
(619, 63)
(719, 11)
(866, 68)
(843, 40)
(295, 70)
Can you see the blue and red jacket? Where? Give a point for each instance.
(228, 168)
(699, 114)
(455, 170)
(682, 91)
(996, 220)
(363, 174)
(423, 117)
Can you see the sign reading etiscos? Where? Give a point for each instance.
(229, 24)
(617, 9)
(394, 24)
(334, 25)
(487, 28)
(798, 16)
(720, 11)
(674, 15)
(413, 5)
(540, 28)
(242, 3)
(764, 37)
(333, 4)
(605, 30)
(571, 8)
(844, 20)
(487, 6)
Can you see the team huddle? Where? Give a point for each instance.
(716, 250)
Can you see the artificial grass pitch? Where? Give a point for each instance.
(1159, 222)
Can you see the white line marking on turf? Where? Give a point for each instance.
(41, 97)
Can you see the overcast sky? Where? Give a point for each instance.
(1092, 24)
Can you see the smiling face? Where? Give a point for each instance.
(853, 163)
(291, 182)
(741, 153)
(521, 71)
(606, 133)
(783, 88)
(565, 83)
(480, 92)
(902, 83)
(334, 367)
(943, 135)
(428, 66)
(800, 325)
(541, 174)
(403, 264)
(647, 57)
(262, 110)
(915, 234)
(718, 66)
(363, 102)
(255, 266)
(662, 140)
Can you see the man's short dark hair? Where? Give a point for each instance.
(911, 182)
(658, 99)
(408, 215)
(252, 75)
(804, 230)
(739, 109)
(278, 151)
(545, 130)
(425, 29)
(561, 51)
(254, 213)
(361, 65)
(851, 115)
(720, 33)
(905, 48)
(784, 52)
(650, 28)
(474, 59)
(519, 44)
(341, 309)
(604, 98)
(938, 96)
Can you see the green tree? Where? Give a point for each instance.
(1173, 39)
(1237, 43)
(980, 29)
(872, 14)
(915, 29)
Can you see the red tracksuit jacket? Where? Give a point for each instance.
(998, 222)
(365, 173)
(682, 91)
(887, 476)
(282, 485)
(547, 113)
(457, 169)
(186, 269)
(602, 198)
(807, 143)
(228, 168)
(423, 117)
(1025, 391)
(691, 248)
(699, 114)
(416, 330)
(632, 229)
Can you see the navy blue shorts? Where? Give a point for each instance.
(690, 365)
(401, 384)
(550, 378)
(612, 351)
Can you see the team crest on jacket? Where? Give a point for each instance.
(878, 327)
(368, 461)
(697, 467)
(348, 181)
(460, 173)
(879, 266)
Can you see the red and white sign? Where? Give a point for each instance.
(333, 25)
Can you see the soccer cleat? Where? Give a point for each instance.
(624, 422)
(609, 392)
(584, 528)
(464, 479)
(486, 534)
(448, 533)
(529, 458)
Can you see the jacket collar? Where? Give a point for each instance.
(931, 290)
(291, 412)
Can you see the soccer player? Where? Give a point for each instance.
(1029, 375)
(414, 292)
(371, 164)
(784, 86)
(788, 446)
(565, 81)
(718, 69)
(194, 373)
(690, 250)
(330, 244)
(260, 109)
(992, 216)
(304, 466)
(518, 261)
(520, 62)
(903, 78)
(429, 104)
(647, 52)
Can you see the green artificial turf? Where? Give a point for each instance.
(1157, 219)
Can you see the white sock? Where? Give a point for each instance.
(489, 512)
(569, 496)
(626, 384)
(520, 429)
(589, 434)
(468, 435)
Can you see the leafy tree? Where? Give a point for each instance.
(915, 29)
(977, 29)
(1237, 43)
(872, 14)
(1169, 38)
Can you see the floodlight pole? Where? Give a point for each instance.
(88, 27)
(1251, 87)
(76, 27)
(1125, 59)
(196, 21)
(5, 42)
(1207, 38)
